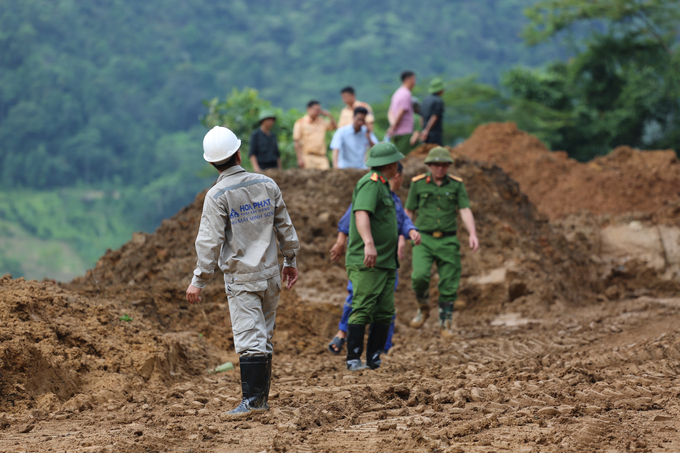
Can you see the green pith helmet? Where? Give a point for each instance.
(436, 85)
(264, 114)
(383, 154)
(437, 155)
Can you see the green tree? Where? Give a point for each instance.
(621, 87)
(240, 112)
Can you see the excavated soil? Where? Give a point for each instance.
(626, 180)
(566, 340)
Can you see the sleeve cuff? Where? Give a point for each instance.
(289, 262)
(198, 283)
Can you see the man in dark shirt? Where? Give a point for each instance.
(433, 114)
(264, 151)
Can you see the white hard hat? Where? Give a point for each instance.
(219, 144)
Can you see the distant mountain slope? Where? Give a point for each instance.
(89, 88)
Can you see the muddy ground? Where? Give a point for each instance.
(566, 339)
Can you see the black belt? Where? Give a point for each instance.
(440, 234)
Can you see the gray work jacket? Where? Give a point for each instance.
(243, 216)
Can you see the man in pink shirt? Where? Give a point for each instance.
(401, 113)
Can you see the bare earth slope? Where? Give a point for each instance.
(543, 360)
(625, 180)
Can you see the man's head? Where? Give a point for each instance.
(398, 179)
(436, 86)
(438, 161)
(267, 119)
(408, 79)
(384, 157)
(313, 109)
(221, 148)
(359, 117)
(348, 96)
(231, 162)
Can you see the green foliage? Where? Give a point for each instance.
(240, 112)
(11, 266)
(650, 19)
(470, 103)
(621, 87)
(126, 318)
(91, 90)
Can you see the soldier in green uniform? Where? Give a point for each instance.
(437, 197)
(371, 258)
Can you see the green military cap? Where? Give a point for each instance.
(383, 154)
(438, 154)
(436, 85)
(264, 114)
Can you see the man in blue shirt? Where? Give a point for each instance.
(406, 228)
(351, 142)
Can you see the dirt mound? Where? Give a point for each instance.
(626, 180)
(533, 367)
(519, 252)
(638, 254)
(56, 345)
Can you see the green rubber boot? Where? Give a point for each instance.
(423, 311)
(445, 319)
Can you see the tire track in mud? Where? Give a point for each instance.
(492, 391)
(559, 385)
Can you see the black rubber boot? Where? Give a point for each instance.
(355, 347)
(269, 379)
(377, 337)
(255, 376)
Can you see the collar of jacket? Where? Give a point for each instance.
(230, 171)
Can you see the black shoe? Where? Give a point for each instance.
(255, 378)
(377, 337)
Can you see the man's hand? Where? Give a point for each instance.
(301, 163)
(325, 113)
(414, 138)
(401, 247)
(474, 243)
(193, 294)
(415, 236)
(370, 255)
(389, 131)
(290, 276)
(337, 251)
(423, 134)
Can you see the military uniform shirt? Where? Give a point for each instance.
(372, 194)
(437, 206)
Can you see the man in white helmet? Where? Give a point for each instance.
(243, 217)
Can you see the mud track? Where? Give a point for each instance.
(567, 337)
(601, 378)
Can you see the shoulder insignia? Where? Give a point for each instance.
(428, 179)
(382, 180)
(418, 178)
(456, 178)
(374, 177)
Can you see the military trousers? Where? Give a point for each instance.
(252, 307)
(403, 143)
(445, 252)
(373, 295)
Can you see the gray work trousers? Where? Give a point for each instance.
(252, 307)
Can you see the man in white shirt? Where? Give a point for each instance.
(351, 142)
